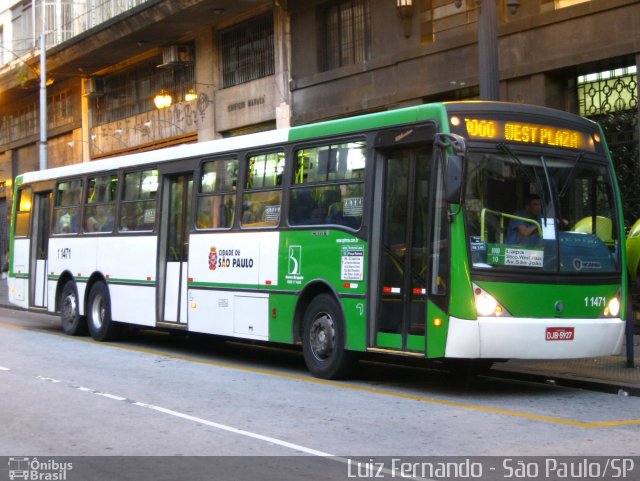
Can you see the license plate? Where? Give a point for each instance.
(560, 333)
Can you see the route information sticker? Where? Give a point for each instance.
(352, 263)
(514, 256)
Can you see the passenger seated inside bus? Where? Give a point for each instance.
(261, 209)
(521, 231)
(303, 207)
(129, 221)
(67, 221)
(101, 220)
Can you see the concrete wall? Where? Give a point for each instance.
(539, 53)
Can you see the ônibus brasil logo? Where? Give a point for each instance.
(32, 469)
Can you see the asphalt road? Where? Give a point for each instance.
(162, 395)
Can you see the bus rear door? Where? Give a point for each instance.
(174, 248)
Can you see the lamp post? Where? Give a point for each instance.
(43, 99)
(488, 64)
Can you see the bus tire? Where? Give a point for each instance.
(101, 327)
(323, 339)
(73, 324)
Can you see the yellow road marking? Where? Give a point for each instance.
(353, 387)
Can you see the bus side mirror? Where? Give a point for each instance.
(455, 165)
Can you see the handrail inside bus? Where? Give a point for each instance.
(502, 216)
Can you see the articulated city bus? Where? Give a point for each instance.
(391, 232)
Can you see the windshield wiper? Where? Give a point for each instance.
(571, 175)
(552, 190)
(534, 180)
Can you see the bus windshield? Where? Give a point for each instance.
(532, 212)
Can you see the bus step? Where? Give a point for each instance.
(380, 350)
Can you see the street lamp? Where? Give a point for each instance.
(488, 65)
(405, 11)
(163, 100)
(513, 6)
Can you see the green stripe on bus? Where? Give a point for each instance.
(115, 280)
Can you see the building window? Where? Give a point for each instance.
(247, 51)
(345, 33)
(60, 108)
(22, 23)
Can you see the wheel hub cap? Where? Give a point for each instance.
(322, 337)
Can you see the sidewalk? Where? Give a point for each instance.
(609, 374)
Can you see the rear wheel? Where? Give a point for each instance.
(323, 340)
(73, 323)
(101, 327)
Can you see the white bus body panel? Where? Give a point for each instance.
(77, 256)
(251, 316)
(123, 261)
(19, 286)
(241, 259)
(525, 338)
(126, 260)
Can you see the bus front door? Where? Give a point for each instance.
(402, 281)
(39, 250)
(176, 221)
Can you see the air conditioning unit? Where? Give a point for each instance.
(94, 87)
(175, 56)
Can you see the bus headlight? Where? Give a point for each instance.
(486, 304)
(613, 308)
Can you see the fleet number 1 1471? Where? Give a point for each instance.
(597, 301)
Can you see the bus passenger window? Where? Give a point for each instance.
(329, 185)
(138, 209)
(66, 212)
(99, 213)
(263, 190)
(23, 215)
(216, 194)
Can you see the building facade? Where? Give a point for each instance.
(131, 75)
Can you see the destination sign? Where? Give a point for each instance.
(525, 133)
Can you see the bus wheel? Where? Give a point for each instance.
(324, 339)
(72, 322)
(101, 327)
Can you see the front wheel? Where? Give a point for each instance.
(101, 327)
(72, 322)
(323, 340)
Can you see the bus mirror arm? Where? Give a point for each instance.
(456, 142)
(454, 166)
(453, 185)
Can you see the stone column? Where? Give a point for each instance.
(282, 39)
(207, 72)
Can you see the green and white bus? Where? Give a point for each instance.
(387, 232)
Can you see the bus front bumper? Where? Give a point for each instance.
(528, 338)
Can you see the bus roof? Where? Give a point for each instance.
(185, 151)
(424, 112)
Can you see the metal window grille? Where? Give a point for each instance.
(345, 28)
(247, 51)
(131, 92)
(611, 99)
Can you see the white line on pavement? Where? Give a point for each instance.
(242, 432)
